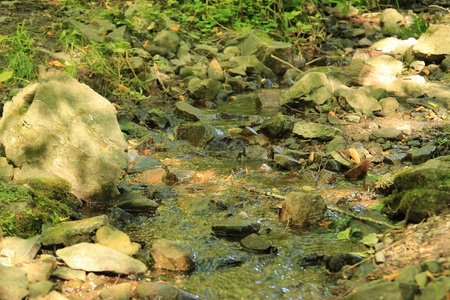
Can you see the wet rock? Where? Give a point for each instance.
(69, 274)
(41, 288)
(121, 291)
(315, 131)
(287, 162)
(387, 133)
(278, 126)
(186, 111)
(97, 258)
(395, 158)
(206, 50)
(284, 51)
(20, 250)
(336, 262)
(197, 70)
(116, 240)
(167, 39)
(172, 255)
(235, 226)
(367, 227)
(13, 283)
(423, 154)
(269, 98)
(197, 134)
(38, 270)
(6, 170)
(256, 243)
(421, 191)
(134, 203)
(70, 233)
(434, 44)
(162, 291)
(205, 89)
(383, 289)
(303, 209)
(251, 65)
(71, 132)
(311, 90)
(226, 147)
(256, 152)
(143, 163)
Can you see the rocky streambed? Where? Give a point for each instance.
(246, 179)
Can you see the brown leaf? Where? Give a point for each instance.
(359, 171)
(56, 63)
(154, 176)
(175, 27)
(392, 276)
(204, 176)
(216, 65)
(123, 88)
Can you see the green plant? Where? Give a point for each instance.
(417, 28)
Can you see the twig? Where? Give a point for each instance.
(363, 218)
(286, 63)
(437, 6)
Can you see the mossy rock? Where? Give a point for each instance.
(421, 191)
(25, 208)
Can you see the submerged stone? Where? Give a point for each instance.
(256, 243)
(235, 226)
(172, 255)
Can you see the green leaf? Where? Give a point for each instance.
(377, 207)
(370, 240)
(344, 235)
(6, 75)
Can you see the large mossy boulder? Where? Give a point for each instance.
(63, 128)
(421, 191)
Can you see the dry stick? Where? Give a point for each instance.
(158, 75)
(285, 62)
(447, 9)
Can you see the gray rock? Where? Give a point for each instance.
(134, 203)
(235, 226)
(383, 289)
(119, 33)
(311, 90)
(198, 71)
(71, 132)
(187, 111)
(116, 240)
(303, 209)
(205, 89)
(387, 64)
(256, 152)
(41, 288)
(426, 186)
(389, 105)
(315, 131)
(167, 39)
(360, 101)
(252, 66)
(172, 255)
(421, 279)
(391, 16)
(206, 50)
(162, 291)
(256, 243)
(23, 250)
(91, 32)
(432, 266)
(336, 156)
(69, 274)
(69, 233)
(408, 273)
(284, 51)
(97, 258)
(387, 133)
(197, 134)
(434, 44)
(437, 289)
(277, 127)
(38, 270)
(395, 158)
(13, 283)
(336, 262)
(6, 170)
(287, 162)
(342, 12)
(423, 154)
(143, 163)
(269, 98)
(121, 291)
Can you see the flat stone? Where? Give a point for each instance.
(134, 203)
(116, 240)
(121, 291)
(69, 274)
(20, 250)
(256, 243)
(172, 255)
(387, 133)
(13, 283)
(235, 226)
(38, 271)
(97, 258)
(303, 209)
(315, 131)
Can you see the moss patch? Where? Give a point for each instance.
(23, 210)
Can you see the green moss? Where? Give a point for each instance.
(48, 200)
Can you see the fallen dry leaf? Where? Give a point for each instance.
(392, 276)
(359, 171)
(56, 63)
(355, 155)
(203, 176)
(154, 176)
(175, 27)
(122, 88)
